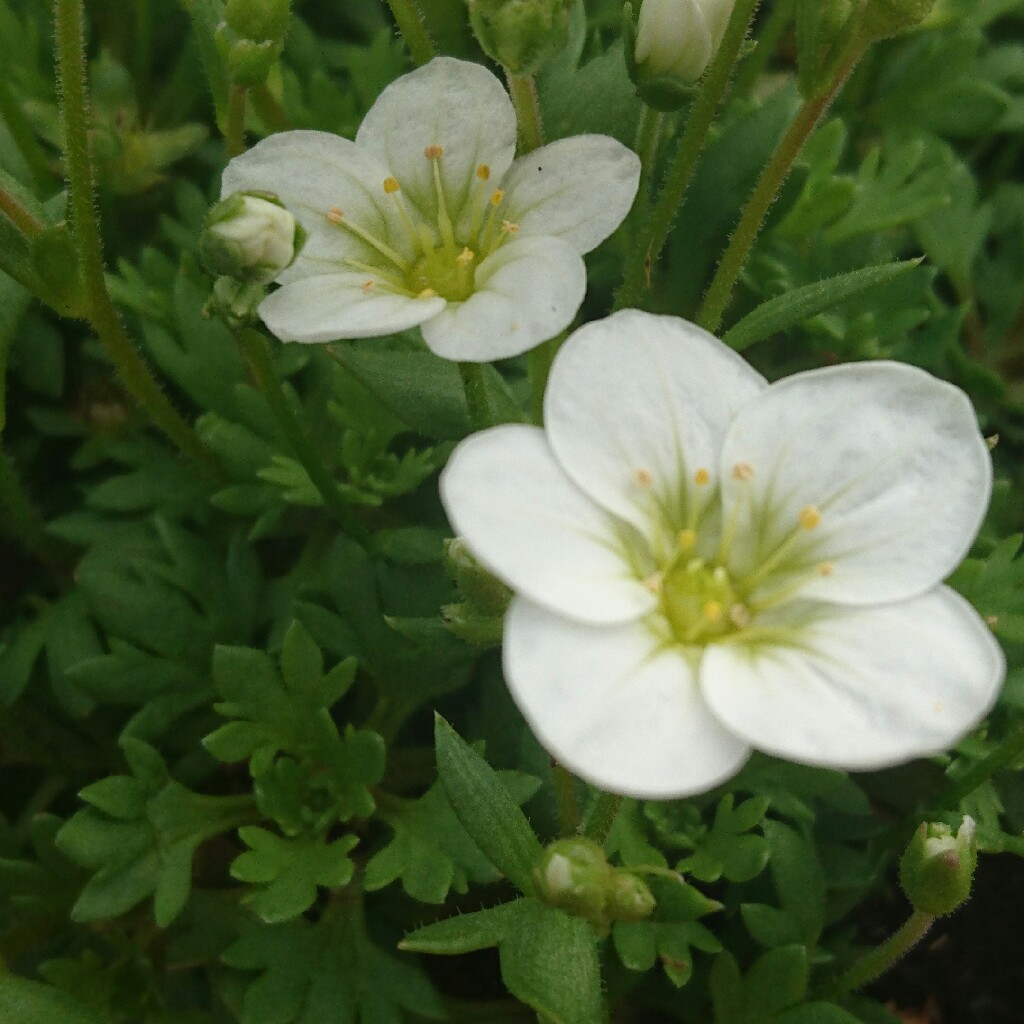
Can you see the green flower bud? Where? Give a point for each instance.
(521, 35)
(629, 898)
(883, 18)
(234, 301)
(937, 867)
(485, 594)
(575, 876)
(251, 237)
(251, 37)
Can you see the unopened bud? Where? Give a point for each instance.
(249, 237)
(937, 867)
(574, 875)
(521, 35)
(485, 593)
(629, 898)
(883, 18)
(678, 38)
(251, 37)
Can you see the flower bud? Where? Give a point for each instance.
(250, 237)
(629, 898)
(883, 18)
(678, 38)
(937, 867)
(521, 35)
(574, 875)
(251, 37)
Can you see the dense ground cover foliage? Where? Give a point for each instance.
(718, 701)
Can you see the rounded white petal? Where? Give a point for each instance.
(454, 104)
(864, 687)
(578, 189)
(528, 523)
(673, 38)
(526, 292)
(312, 173)
(337, 306)
(636, 403)
(891, 457)
(614, 707)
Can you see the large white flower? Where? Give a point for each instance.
(426, 219)
(704, 563)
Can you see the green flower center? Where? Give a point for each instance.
(442, 265)
(701, 603)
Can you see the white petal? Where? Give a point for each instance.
(864, 687)
(643, 394)
(614, 707)
(526, 521)
(311, 173)
(579, 189)
(891, 456)
(673, 39)
(338, 306)
(454, 104)
(527, 292)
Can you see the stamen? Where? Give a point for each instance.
(380, 275)
(687, 540)
(483, 172)
(497, 197)
(391, 186)
(508, 227)
(702, 477)
(367, 286)
(419, 238)
(810, 517)
(743, 471)
(487, 242)
(643, 477)
(465, 257)
(713, 611)
(654, 582)
(739, 615)
(427, 293)
(444, 222)
(826, 569)
(337, 216)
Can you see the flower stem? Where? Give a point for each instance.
(691, 145)
(779, 16)
(523, 90)
(602, 816)
(648, 136)
(565, 798)
(410, 23)
(132, 369)
(476, 395)
(254, 346)
(28, 225)
(880, 959)
(234, 133)
(767, 188)
(25, 523)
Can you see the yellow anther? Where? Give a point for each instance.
(826, 569)
(508, 227)
(702, 477)
(433, 152)
(992, 621)
(743, 471)
(643, 477)
(483, 172)
(654, 582)
(391, 186)
(427, 293)
(335, 215)
(713, 611)
(367, 286)
(810, 517)
(687, 539)
(465, 257)
(497, 197)
(739, 615)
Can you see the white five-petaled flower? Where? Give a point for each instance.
(426, 219)
(705, 563)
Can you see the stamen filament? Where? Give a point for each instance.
(382, 276)
(410, 228)
(444, 222)
(336, 216)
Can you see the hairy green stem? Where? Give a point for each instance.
(767, 189)
(234, 133)
(24, 522)
(565, 799)
(18, 215)
(659, 224)
(875, 963)
(132, 369)
(476, 395)
(254, 347)
(410, 23)
(648, 136)
(602, 816)
(523, 90)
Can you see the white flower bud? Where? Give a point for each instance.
(679, 38)
(249, 238)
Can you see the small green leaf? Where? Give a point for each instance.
(817, 1013)
(485, 807)
(466, 933)
(28, 1002)
(778, 978)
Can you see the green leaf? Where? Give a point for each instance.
(778, 978)
(549, 961)
(794, 307)
(28, 1002)
(485, 807)
(817, 1013)
(728, 850)
(798, 877)
(466, 933)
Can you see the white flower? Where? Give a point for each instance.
(704, 563)
(679, 38)
(425, 219)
